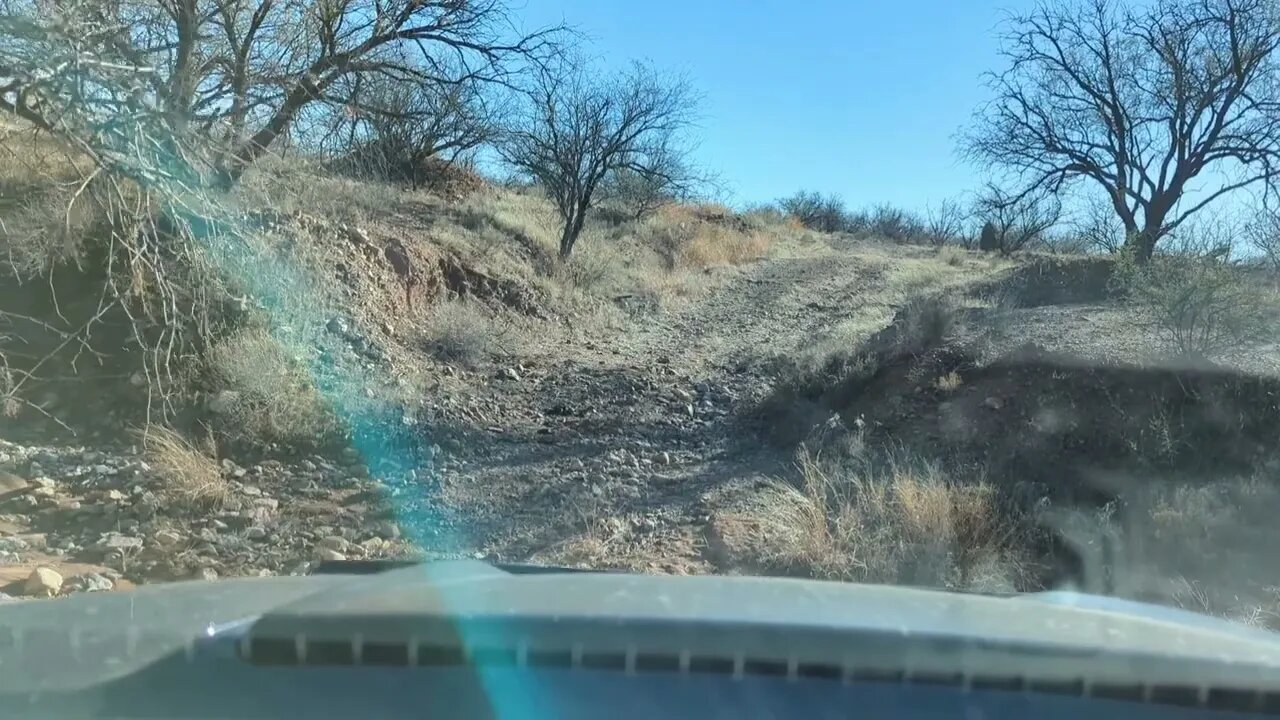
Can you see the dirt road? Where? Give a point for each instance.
(614, 451)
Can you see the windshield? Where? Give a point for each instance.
(979, 297)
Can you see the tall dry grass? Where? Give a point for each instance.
(904, 522)
(701, 236)
(190, 474)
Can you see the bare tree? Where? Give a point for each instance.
(824, 213)
(945, 223)
(390, 129)
(1015, 220)
(143, 86)
(1140, 102)
(1262, 231)
(575, 129)
(640, 194)
(1098, 227)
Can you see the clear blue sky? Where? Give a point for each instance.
(858, 97)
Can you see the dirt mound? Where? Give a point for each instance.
(1052, 280)
(1034, 416)
(373, 267)
(1037, 417)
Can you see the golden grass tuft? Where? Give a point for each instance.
(191, 475)
(701, 236)
(904, 524)
(949, 382)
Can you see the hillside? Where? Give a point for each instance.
(700, 391)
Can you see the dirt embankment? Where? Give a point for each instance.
(1154, 466)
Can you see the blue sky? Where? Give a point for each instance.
(859, 98)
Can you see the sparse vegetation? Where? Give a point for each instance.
(1014, 221)
(596, 299)
(901, 523)
(263, 395)
(461, 331)
(824, 213)
(192, 476)
(1203, 306)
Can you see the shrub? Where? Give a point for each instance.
(894, 223)
(1202, 306)
(924, 322)
(951, 255)
(191, 476)
(704, 236)
(460, 331)
(898, 522)
(944, 223)
(816, 211)
(267, 395)
(595, 266)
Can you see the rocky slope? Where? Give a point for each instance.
(79, 519)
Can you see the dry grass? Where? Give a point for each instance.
(521, 222)
(952, 255)
(601, 544)
(299, 184)
(191, 475)
(601, 538)
(461, 331)
(700, 236)
(42, 219)
(903, 523)
(273, 398)
(949, 382)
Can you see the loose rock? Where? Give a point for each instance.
(43, 582)
(325, 554)
(90, 582)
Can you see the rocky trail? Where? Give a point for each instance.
(625, 445)
(614, 451)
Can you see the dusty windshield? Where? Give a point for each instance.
(979, 296)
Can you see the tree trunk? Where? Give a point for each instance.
(572, 229)
(567, 239)
(1142, 244)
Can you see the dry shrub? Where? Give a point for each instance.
(704, 236)
(1204, 307)
(298, 184)
(46, 212)
(191, 476)
(924, 322)
(272, 398)
(905, 523)
(949, 382)
(594, 266)
(603, 542)
(951, 255)
(461, 331)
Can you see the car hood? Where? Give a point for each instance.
(904, 629)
